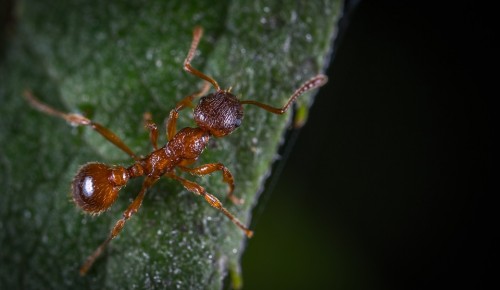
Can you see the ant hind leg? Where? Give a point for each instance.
(226, 175)
(212, 200)
(127, 214)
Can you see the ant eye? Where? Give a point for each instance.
(219, 113)
(237, 123)
(96, 185)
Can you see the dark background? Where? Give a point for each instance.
(387, 186)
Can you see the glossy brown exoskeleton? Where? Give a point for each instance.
(96, 185)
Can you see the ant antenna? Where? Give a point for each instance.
(197, 34)
(96, 185)
(311, 84)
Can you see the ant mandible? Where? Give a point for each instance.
(96, 185)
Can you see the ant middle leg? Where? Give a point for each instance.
(186, 102)
(150, 125)
(212, 200)
(127, 214)
(79, 120)
(197, 34)
(226, 175)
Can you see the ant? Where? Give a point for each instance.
(96, 185)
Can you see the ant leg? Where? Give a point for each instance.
(186, 102)
(153, 129)
(79, 120)
(212, 200)
(132, 209)
(226, 175)
(311, 84)
(197, 33)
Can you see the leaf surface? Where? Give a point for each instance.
(112, 62)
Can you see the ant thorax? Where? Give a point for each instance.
(96, 185)
(188, 143)
(219, 113)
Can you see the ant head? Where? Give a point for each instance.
(219, 113)
(96, 185)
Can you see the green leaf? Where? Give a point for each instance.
(112, 62)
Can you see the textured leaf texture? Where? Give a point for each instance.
(112, 61)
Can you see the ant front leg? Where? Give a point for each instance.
(79, 120)
(226, 175)
(212, 200)
(132, 209)
(186, 102)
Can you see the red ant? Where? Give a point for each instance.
(96, 185)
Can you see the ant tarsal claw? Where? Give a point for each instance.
(96, 185)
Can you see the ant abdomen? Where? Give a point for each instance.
(96, 185)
